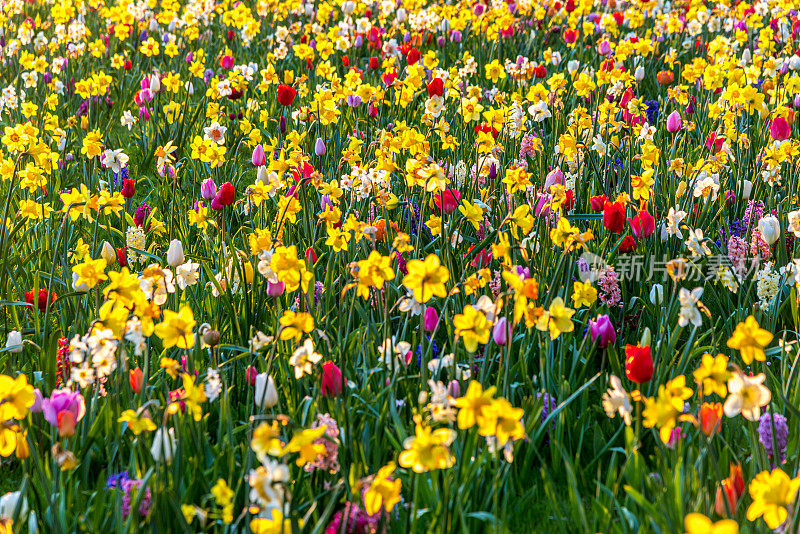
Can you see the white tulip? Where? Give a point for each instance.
(657, 294)
(175, 254)
(8, 503)
(266, 394)
(770, 229)
(80, 288)
(747, 188)
(164, 445)
(14, 342)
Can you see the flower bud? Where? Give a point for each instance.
(14, 342)
(266, 394)
(500, 332)
(175, 254)
(108, 253)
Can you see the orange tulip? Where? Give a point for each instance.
(710, 418)
(136, 378)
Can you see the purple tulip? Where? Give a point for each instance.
(208, 189)
(431, 319)
(325, 202)
(319, 147)
(602, 331)
(454, 389)
(500, 331)
(353, 101)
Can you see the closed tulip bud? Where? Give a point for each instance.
(108, 253)
(250, 374)
(266, 394)
(259, 158)
(155, 83)
(332, 383)
(780, 129)
(674, 122)
(638, 75)
(80, 288)
(598, 202)
(164, 445)
(14, 342)
(262, 175)
(121, 258)
(725, 492)
(275, 289)
(431, 319)
(747, 188)
(572, 65)
(602, 331)
(710, 418)
(500, 332)
(136, 379)
(208, 189)
(211, 338)
(770, 229)
(454, 389)
(638, 364)
(225, 196)
(319, 147)
(657, 294)
(311, 256)
(175, 254)
(646, 337)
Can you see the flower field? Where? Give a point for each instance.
(399, 266)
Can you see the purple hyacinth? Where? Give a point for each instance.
(781, 434)
(130, 487)
(142, 212)
(548, 405)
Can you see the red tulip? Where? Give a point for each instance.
(436, 87)
(331, 380)
(286, 94)
(374, 63)
(614, 217)
(569, 202)
(643, 225)
(129, 188)
(224, 197)
(447, 201)
(638, 363)
(121, 259)
(598, 202)
(413, 56)
(627, 245)
(311, 256)
(136, 379)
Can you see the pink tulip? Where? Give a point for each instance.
(780, 129)
(259, 158)
(674, 122)
(431, 319)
